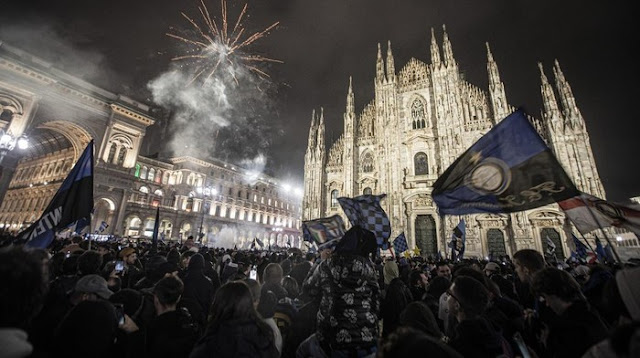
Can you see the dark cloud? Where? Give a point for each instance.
(324, 42)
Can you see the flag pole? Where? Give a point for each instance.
(593, 216)
(566, 218)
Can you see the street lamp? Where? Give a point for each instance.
(207, 193)
(8, 143)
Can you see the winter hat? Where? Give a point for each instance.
(358, 241)
(168, 267)
(93, 284)
(126, 252)
(628, 281)
(491, 266)
(196, 262)
(174, 256)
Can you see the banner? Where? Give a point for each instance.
(366, 212)
(588, 213)
(72, 202)
(508, 169)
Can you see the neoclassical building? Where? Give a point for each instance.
(60, 114)
(418, 121)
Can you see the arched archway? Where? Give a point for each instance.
(426, 236)
(103, 211)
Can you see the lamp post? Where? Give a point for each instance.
(8, 143)
(207, 193)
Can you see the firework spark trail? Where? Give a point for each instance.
(213, 46)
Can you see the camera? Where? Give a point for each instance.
(119, 313)
(253, 274)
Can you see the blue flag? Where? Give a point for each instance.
(72, 202)
(581, 249)
(602, 255)
(608, 251)
(400, 244)
(323, 231)
(365, 211)
(156, 228)
(458, 240)
(508, 169)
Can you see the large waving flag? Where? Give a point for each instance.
(589, 213)
(458, 240)
(323, 231)
(508, 169)
(72, 202)
(366, 212)
(400, 244)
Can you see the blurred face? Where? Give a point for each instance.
(102, 250)
(521, 271)
(444, 271)
(452, 301)
(131, 259)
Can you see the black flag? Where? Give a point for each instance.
(72, 202)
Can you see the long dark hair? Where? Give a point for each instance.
(233, 301)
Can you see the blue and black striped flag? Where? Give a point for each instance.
(508, 169)
(72, 202)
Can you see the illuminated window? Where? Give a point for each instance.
(334, 198)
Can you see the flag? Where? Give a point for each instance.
(589, 213)
(508, 169)
(400, 243)
(602, 255)
(608, 253)
(323, 231)
(81, 224)
(581, 249)
(551, 247)
(156, 228)
(365, 211)
(72, 202)
(458, 240)
(103, 226)
(259, 242)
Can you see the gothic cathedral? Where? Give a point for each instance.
(419, 121)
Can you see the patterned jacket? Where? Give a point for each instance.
(350, 301)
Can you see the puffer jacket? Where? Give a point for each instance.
(350, 302)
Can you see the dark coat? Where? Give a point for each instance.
(198, 290)
(575, 331)
(477, 338)
(236, 338)
(171, 335)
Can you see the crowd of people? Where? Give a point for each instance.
(81, 298)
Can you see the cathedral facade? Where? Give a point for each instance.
(418, 122)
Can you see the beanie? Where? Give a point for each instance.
(196, 262)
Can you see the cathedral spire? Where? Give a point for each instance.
(435, 50)
(379, 66)
(350, 113)
(391, 69)
(320, 139)
(496, 88)
(447, 50)
(573, 117)
(312, 131)
(551, 114)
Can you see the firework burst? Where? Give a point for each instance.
(215, 47)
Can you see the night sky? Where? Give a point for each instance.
(121, 46)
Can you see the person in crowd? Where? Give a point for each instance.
(272, 277)
(172, 333)
(390, 271)
(491, 268)
(444, 270)
(436, 299)
(418, 283)
(22, 291)
(473, 336)
(350, 299)
(621, 302)
(406, 342)
(235, 329)
(89, 263)
(152, 272)
(397, 297)
(132, 273)
(300, 270)
(578, 326)
(198, 291)
(419, 316)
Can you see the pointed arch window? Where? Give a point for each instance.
(367, 163)
(418, 114)
(334, 198)
(112, 152)
(143, 173)
(152, 174)
(420, 164)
